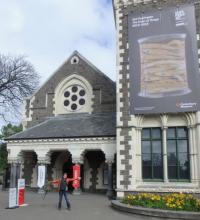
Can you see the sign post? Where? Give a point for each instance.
(21, 192)
(12, 198)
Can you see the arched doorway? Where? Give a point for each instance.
(29, 171)
(62, 163)
(94, 170)
(68, 168)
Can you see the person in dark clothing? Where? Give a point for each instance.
(63, 188)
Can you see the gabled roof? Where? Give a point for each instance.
(72, 126)
(75, 53)
(91, 65)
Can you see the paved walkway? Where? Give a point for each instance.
(84, 207)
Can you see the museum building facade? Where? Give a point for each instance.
(156, 152)
(79, 116)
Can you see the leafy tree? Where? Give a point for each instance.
(9, 130)
(6, 131)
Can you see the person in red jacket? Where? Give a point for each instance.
(63, 188)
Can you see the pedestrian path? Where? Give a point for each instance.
(84, 207)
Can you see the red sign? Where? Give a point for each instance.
(76, 175)
(21, 193)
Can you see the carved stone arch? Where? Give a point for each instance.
(43, 156)
(14, 155)
(64, 155)
(107, 155)
(151, 121)
(77, 154)
(84, 151)
(59, 161)
(140, 119)
(73, 80)
(175, 120)
(190, 119)
(93, 160)
(21, 156)
(163, 118)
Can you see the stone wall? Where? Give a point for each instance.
(127, 126)
(41, 104)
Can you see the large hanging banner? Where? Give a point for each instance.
(163, 56)
(41, 176)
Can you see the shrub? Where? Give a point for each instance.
(174, 201)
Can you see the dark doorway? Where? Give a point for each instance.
(95, 159)
(6, 178)
(68, 168)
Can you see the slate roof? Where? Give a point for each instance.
(72, 126)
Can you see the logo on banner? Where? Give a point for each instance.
(180, 17)
(21, 183)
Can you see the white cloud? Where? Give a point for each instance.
(12, 19)
(48, 31)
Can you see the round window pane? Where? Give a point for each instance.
(67, 94)
(74, 107)
(82, 92)
(82, 101)
(74, 98)
(66, 103)
(74, 89)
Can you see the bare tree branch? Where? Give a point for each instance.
(18, 80)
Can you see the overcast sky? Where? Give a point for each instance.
(48, 31)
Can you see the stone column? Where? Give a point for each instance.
(15, 171)
(138, 157)
(192, 153)
(20, 165)
(110, 191)
(13, 175)
(15, 158)
(197, 145)
(165, 164)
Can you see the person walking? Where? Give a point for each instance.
(62, 189)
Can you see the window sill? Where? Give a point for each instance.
(179, 181)
(153, 180)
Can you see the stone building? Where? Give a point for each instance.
(136, 172)
(69, 120)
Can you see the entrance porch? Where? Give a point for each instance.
(96, 156)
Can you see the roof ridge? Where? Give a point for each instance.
(75, 52)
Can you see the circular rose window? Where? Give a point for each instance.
(74, 98)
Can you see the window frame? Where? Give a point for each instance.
(151, 139)
(176, 139)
